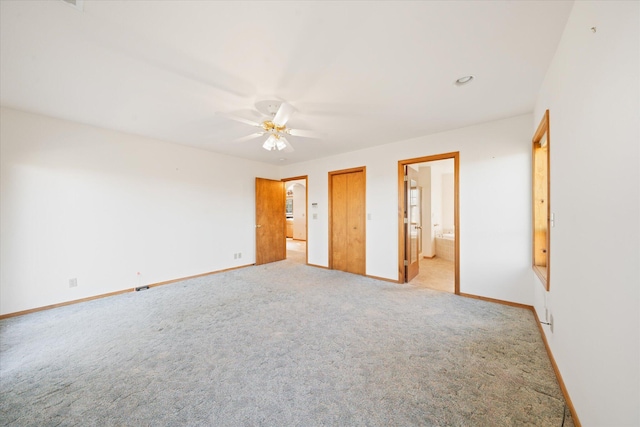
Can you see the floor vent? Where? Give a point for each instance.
(76, 4)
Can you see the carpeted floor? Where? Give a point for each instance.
(278, 345)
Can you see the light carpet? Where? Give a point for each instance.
(278, 345)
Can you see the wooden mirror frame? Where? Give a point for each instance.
(541, 206)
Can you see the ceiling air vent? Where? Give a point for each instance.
(76, 4)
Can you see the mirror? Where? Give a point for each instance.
(288, 208)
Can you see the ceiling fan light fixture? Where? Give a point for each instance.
(280, 144)
(270, 143)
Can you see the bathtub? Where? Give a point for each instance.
(446, 246)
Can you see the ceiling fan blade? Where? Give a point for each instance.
(304, 133)
(248, 137)
(284, 113)
(239, 119)
(288, 148)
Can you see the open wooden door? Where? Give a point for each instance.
(271, 244)
(413, 223)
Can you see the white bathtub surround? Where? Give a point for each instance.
(446, 247)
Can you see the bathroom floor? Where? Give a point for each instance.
(297, 250)
(436, 273)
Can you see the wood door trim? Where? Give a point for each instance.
(350, 170)
(295, 178)
(306, 212)
(362, 169)
(543, 128)
(455, 155)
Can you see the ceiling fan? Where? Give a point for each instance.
(277, 115)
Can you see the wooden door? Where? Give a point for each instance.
(347, 198)
(413, 222)
(271, 244)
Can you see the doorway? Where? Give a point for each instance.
(296, 218)
(428, 222)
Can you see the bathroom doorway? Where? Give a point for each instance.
(296, 218)
(428, 218)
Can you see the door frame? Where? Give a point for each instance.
(306, 215)
(456, 211)
(362, 169)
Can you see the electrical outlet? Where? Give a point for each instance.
(239, 254)
(73, 283)
(235, 256)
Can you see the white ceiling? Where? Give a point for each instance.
(362, 73)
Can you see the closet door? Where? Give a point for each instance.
(347, 220)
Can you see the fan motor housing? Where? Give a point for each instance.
(268, 107)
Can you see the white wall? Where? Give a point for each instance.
(101, 206)
(448, 202)
(428, 244)
(592, 91)
(299, 211)
(436, 198)
(495, 235)
(442, 195)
